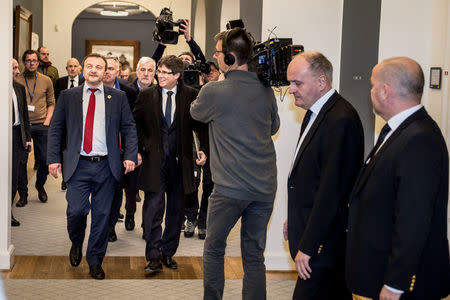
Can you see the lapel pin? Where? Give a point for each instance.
(109, 97)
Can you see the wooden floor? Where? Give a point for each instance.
(121, 267)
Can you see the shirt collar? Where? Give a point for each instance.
(317, 106)
(398, 119)
(100, 88)
(174, 90)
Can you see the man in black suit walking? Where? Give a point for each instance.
(397, 243)
(164, 127)
(328, 156)
(21, 137)
(73, 78)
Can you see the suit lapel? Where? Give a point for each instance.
(108, 107)
(367, 169)
(328, 105)
(77, 106)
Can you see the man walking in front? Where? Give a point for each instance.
(93, 116)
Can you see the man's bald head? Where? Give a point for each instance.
(404, 75)
(73, 67)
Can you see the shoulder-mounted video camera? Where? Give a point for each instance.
(164, 32)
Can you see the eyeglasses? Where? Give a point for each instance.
(218, 51)
(159, 72)
(31, 61)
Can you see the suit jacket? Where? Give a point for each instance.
(62, 83)
(321, 180)
(25, 130)
(69, 114)
(148, 116)
(398, 215)
(129, 90)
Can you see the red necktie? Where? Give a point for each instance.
(89, 125)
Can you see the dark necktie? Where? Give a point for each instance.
(168, 113)
(13, 113)
(384, 131)
(71, 83)
(305, 122)
(89, 125)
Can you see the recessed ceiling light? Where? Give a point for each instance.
(116, 13)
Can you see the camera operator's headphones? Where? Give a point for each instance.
(231, 34)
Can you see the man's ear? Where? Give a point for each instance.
(177, 76)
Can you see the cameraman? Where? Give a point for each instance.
(242, 115)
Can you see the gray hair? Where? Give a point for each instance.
(144, 60)
(319, 64)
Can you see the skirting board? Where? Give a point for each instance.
(7, 258)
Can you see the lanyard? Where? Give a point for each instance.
(28, 89)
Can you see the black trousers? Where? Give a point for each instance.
(130, 185)
(327, 282)
(39, 134)
(19, 158)
(155, 203)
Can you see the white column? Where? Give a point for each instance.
(6, 249)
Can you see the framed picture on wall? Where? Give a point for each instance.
(22, 31)
(124, 50)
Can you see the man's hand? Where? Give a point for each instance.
(29, 146)
(285, 230)
(53, 169)
(129, 166)
(139, 160)
(186, 30)
(201, 160)
(302, 265)
(386, 294)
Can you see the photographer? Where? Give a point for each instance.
(242, 115)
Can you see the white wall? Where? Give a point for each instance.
(230, 11)
(317, 25)
(6, 249)
(418, 29)
(58, 20)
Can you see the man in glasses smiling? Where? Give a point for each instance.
(164, 128)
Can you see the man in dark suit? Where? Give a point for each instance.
(327, 158)
(164, 127)
(112, 80)
(94, 116)
(73, 78)
(21, 137)
(145, 73)
(397, 243)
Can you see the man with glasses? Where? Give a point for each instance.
(164, 128)
(41, 103)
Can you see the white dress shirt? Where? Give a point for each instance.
(315, 109)
(15, 109)
(99, 147)
(164, 101)
(75, 81)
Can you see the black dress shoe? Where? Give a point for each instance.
(154, 266)
(97, 272)
(129, 222)
(75, 256)
(112, 236)
(121, 216)
(63, 185)
(22, 202)
(42, 194)
(169, 262)
(202, 233)
(14, 222)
